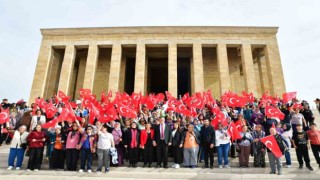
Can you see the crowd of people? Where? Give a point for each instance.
(158, 133)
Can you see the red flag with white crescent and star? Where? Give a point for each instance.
(84, 92)
(233, 132)
(4, 116)
(289, 96)
(271, 111)
(50, 124)
(272, 145)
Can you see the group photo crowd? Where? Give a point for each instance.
(118, 129)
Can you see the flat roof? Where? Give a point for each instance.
(161, 30)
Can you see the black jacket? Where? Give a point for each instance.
(176, 139)
(209, 137)
(128, 137)
(167, 134)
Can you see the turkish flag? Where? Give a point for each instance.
(182, 109)
(271, 111)
(126, 111)
(289, 96)
(4, 116)
(43, 104)
(185, 97)
(211, 100)
(50, 124)
(150, 102)
(84, 92)
(272, 145)
(297, 106)
(219, 118)
(233, 132)
(64, 98)
(197, 102)
(104, 98)
(250, 97)
(160, 97)
(169, 96)
(34, 109)
(64, 115)
(239, 124)
(73, 105)
(109, 116)
(233, 100)
(51, 110)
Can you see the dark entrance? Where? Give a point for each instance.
(129, 75)
(184, 80)
(157, 75)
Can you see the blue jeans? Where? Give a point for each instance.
(223, 151)
(86, 155)
(288, 157)
(16, 153)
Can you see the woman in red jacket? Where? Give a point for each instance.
(36, 141)
(146, 138)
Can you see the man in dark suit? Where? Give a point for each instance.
(162, 139)
(208, 138)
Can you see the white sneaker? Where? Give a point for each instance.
(173, 165)
(220, 166)
(36, 170)
(9, 168)
(28, 170)
(17, 168)
(81, 170)
(89, 171)
(288, 166)
(177, 166)
(226, 166)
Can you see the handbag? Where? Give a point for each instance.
(23, 145)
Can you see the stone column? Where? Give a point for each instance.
(274, 67)
(91, 66)
(198, 80)
(115, 65)
(248, 69)
(223, 68)
(41, 73)
(140, 69)
(262, 65)
(173, 70)
(67, 69)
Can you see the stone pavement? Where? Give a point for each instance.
(153, 173)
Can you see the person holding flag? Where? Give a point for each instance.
(222, 139)
(276, 148)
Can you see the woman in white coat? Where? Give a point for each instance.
(37, 119)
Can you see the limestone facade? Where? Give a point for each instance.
(119, 59)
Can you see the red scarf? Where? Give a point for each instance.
(134, 138)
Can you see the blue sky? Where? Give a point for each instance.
(20, 37)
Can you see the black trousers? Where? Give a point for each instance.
(302, 152)
(57, 159)
(148, 154)
(35, 158)
(72, 156)
(316, 151)
(177, 154)
(208, 153)
(162, 153)
(133, 155)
